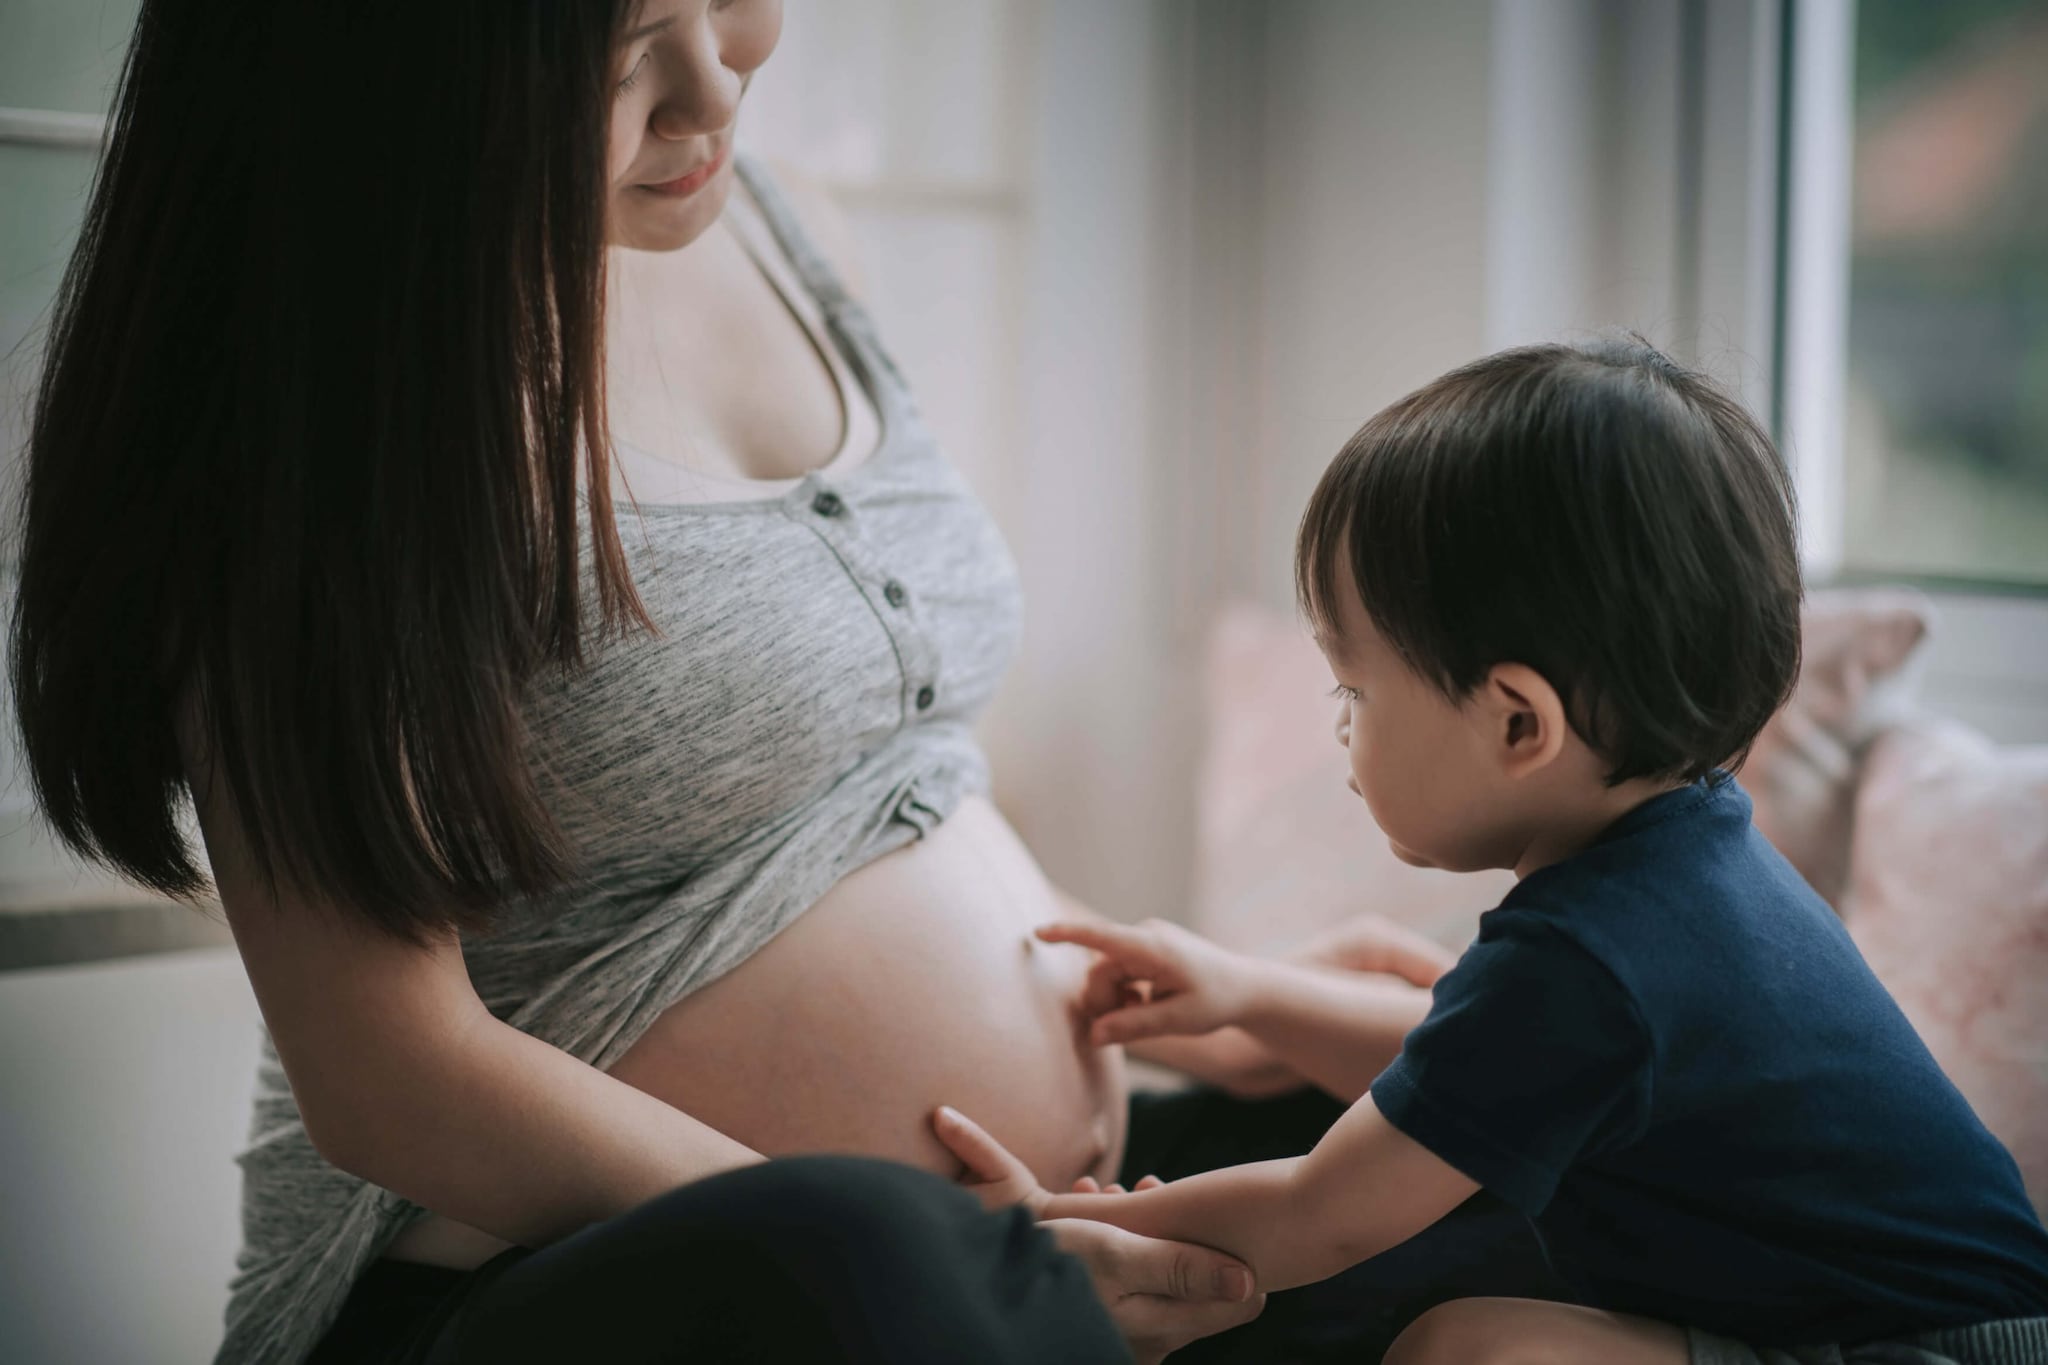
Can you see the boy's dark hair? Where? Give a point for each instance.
(1597, 512)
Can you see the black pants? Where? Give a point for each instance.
(828, 1259)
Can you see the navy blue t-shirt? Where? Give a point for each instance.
(1666, 1051)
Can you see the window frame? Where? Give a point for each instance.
(1987, 663)
(1809, 389)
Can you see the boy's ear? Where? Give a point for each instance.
(1524, 717)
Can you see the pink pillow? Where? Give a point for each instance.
(1284, 849)
(1854, 681)
(1948, 899)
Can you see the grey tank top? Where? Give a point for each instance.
(805, 708)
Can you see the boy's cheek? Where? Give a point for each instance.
(1393, 804)
(1408, 855)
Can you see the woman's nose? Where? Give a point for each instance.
(703, 96)
(1344, 724)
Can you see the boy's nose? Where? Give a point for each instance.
(1344, 725)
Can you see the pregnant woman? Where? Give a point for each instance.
(467, 479)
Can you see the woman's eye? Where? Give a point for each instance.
(632, 77)
(1343, 693)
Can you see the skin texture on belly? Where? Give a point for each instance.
(915, 982)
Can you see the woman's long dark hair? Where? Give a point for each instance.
(303, 466)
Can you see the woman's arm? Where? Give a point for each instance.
(1365, 1188)
(403, 1078)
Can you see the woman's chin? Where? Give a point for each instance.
(645, 221)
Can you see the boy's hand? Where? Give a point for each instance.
(1155, 979)
(1088, 1184)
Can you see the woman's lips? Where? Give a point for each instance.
(691, 183)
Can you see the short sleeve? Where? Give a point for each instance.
(1532, 1058)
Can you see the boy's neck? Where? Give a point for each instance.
(1571, 825)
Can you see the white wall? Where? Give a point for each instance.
(1283, 230)
(124, 1092)
(1083, 764)
(1372, 262)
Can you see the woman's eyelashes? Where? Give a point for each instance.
(1343, 693)
(632, 77)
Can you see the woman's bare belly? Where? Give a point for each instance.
(915, 982)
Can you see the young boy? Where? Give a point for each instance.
(1559, 590)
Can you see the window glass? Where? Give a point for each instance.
(1946, 445)
(63, 54)
(56, 57)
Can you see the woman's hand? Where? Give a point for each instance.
(1229, 1059)
(998, 1178)
(993, 1175)
(1155, 979)
(1371, 943)
(1161, 1295)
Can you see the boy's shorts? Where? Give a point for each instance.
(2014, 1341)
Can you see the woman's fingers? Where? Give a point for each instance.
(986, 1158)
(1149, 1182)
(1172, 1270)
(1162, 1295)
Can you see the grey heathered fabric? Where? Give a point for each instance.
(715, 780)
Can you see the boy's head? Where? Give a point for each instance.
(1559, 578)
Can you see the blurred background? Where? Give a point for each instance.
(1147, 263)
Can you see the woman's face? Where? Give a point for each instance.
(681, 69)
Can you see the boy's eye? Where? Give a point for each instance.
(1343, 693)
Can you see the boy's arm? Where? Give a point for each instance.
(1337, 1028)
(1365, 1188)
(1398, 963)
(1227, 1058)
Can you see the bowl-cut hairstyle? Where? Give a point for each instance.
(1597, 512)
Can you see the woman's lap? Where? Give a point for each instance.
(843, 1258)
(809, 1258)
